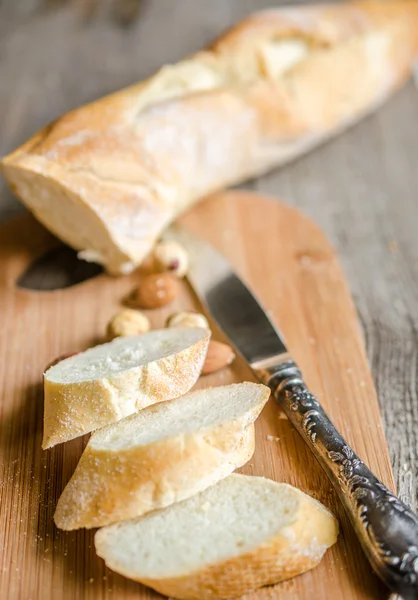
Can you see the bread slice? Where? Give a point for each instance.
(163, 454)
(106, 383)
(238, 535)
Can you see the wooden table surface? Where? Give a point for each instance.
(361, 188)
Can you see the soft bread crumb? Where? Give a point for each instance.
(122, 355)
(106, 383)
(181, 546)
(162, 454)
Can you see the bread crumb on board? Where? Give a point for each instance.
(272, 438)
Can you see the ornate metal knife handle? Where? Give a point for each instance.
(386, 528)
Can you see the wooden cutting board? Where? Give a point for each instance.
(294, 270)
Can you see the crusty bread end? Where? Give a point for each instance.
(106, 383)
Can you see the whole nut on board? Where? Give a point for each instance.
(219, 356)
(127, 322)
(172, 257)
(187, 319)
(155, 291)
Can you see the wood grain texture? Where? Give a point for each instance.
(283, 256)
(360, 188)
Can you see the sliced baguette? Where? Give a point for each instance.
(238, 535)
(163, 454)
(106, 383)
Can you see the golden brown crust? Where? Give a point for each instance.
(314, 530)
(73, 409)
(112, 486)
(322, 25)
(130, 162)
(293, 550)
(284, 557)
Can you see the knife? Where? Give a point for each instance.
(386, 527)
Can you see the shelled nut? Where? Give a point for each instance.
(155, 291)
(219, 356)
(172, 257)
(127, 322)
(187, 319)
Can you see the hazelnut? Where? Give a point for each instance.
(127, 322)
(155, 291)
(171, 256)
(187, 319)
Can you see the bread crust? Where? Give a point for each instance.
(112, 486)
(108, 177)
(73, 409)
(271, 563)
(295, 549)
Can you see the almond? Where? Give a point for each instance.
(155, 291)
(219, 356)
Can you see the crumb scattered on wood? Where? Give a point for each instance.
(272, 438)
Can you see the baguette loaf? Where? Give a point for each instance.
(163, 454)
(238, 535)
(106, 383)
(108, 177)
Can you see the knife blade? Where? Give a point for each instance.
(386, 527)
(237, 311)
